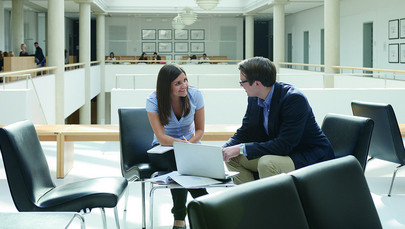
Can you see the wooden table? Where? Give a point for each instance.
(66, 135)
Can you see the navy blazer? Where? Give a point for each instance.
(293, 130)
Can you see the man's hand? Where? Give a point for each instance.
(230, 152)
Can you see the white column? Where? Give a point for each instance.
(84, 57)
(17, 18)
(332, 40)
(101, 57)
(278, 34)
(249, 36)
(2, 25)
(56, 55)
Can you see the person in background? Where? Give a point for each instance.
(11, 54)
(176, 114)
(39, 55)
(192, 58)
(143, 56)
(66, 57)
(156, 57)
(1, 63)
(205, 59)
(23, 50)
(111, 56)
(279, 132)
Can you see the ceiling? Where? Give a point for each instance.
(262, 9)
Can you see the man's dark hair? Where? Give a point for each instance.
(35, 43)
(260, 69)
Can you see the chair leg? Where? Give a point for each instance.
(103, 218)
(117, 219)
(126, 197)
(393, 178)
(81, 219)
(143, 205)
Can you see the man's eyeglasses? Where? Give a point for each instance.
(242, 82)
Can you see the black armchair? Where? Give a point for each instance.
(386, 143)
(136, 137)
(331, 194)
(349, 135)
(32, 188)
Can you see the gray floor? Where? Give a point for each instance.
(95, 159)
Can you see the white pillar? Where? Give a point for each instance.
(249, 36)
(17, 18)
(332, 40)
(2, 25)
(101, 57)
(84, 57)
(56, 55)
(278, 34)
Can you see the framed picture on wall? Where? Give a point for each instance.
(165, 34)
(165, 47)
(197, 34)
(168, 56)
(181, 47)
(402, 28)
(148, 47)
(393, 56)
(402, 52)
(179, 56)
(393, 27)
(197, 47)
(148, 34)
(181, 34)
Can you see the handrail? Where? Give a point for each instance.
(300, 64)
(369, 69)
(162, 61)
(74, 65)
(28, 71)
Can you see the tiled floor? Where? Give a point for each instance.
(94, 159)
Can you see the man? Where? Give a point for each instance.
(204, 58)
(39, 55)
(279, 133)
(156, 57)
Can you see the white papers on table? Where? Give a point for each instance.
(184, 180)
(160, 149)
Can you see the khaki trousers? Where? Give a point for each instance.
(266, 166)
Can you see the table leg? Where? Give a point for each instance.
(64, 156)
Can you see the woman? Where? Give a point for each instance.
(23, 50)
(143, 56)
(175, 112)
(111, 57)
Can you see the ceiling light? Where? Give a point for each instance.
(188, 16)
(177, 23)
(207, 4)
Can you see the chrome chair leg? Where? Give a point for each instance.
(126, 197)
(143, 205)
(81, 219)
(117, 219)
(393, 178)
(103, 218)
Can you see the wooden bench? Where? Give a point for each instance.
(66, 135)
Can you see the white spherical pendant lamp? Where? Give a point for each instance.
(207, 4)
(177, 23)
(188, 17)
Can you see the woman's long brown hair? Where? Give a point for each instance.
(167, 74)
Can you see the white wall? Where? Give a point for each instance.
(74, 91)
(353, 15)
(129, 41)
(151, 71)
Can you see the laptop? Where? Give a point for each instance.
(201, 160)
